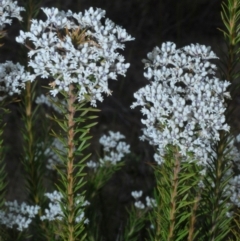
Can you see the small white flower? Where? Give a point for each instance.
(136, 194)
(91, 164)
(150, 202)
(139, 205)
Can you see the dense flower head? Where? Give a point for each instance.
(76, 49)
(8, 10)
(184, 103)
(12, 79)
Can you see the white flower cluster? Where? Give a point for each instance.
(91, 164)
(50, 102)
(12, 79)
(150, 202)
(8, 10)
(55, 212)
(114, 149)
(12, 76)
(18, 215)
(76, 49)
(184, 103)
(137, 194)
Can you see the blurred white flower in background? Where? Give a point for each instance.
(136, 194)
(113, 147)
(16, 215)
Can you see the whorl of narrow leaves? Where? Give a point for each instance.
(216, 195)
(74, 136)
(231, 19)
(176, 192)
(230, 15)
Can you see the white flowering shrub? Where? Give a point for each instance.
(184, 107)
(76, 49)
(77, 53)
(184, 103)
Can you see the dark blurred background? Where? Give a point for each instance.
(151, 22)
